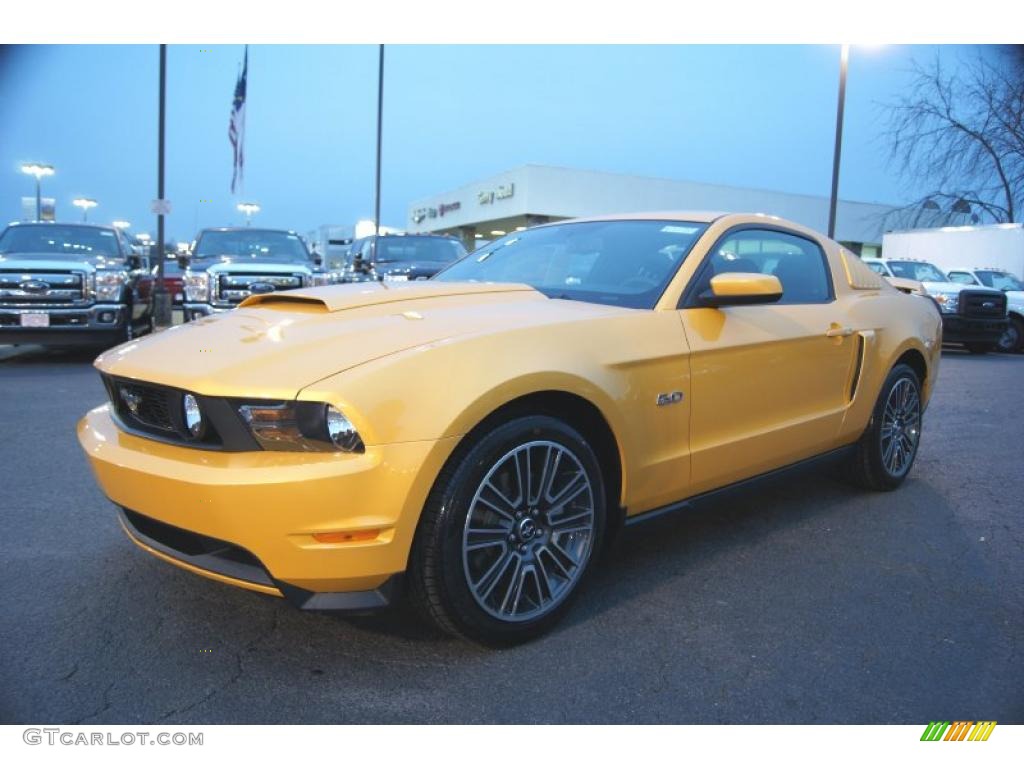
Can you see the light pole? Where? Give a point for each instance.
(844, 57)
(248, 209)
(380, 123)
(38, 170)
(162, 312)
(85, 203)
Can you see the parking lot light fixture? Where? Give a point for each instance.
(248, 209)
(85, 203)
(39, 170)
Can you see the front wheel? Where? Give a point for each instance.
(1012, 339)
(888, 447)
(509, 532)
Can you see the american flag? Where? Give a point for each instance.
(236, 126)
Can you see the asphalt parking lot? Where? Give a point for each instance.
(803, 601)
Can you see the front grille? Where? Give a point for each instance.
(984, 304)
(151, 408)
(235, 288)
(156, 410)
(39, 287)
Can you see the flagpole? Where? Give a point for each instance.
(380, 113)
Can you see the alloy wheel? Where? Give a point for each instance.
(901, 427)
(529, 532)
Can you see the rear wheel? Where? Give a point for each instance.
(1012, 339)
(888, 447)
(509, 532)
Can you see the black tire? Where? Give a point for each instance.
(871, 465)
(1013, 339)
(441, 563)
(980, 348)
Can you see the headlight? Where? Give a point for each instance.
(197, 286)
(948, 302)
(325, 278)
(300, 426)
(194, 421)
(109, 285)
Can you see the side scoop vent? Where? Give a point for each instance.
(858, 274)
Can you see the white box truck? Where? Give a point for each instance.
(997, 245)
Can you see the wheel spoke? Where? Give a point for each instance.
(490, 579)
(513, 585)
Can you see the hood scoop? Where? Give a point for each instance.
(334, 298)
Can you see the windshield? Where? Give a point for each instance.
(877, 267)
(412, 248)
(625, 263)
(1002, 281)
(48, 241)
(921, 271)
(242, 244)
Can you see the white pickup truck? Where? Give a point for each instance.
(974, 317)
(993, 277)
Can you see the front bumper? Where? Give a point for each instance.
(85, 326)
(248, 518)
(966, 330)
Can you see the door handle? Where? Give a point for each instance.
(836, 331)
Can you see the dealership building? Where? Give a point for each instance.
(536, 194)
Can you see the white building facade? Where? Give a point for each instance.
(536, 194)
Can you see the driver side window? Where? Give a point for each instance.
(962, 277)
(798, 262)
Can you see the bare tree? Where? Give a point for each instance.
(961, 134)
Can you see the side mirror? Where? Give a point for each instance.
(358, 264)
(739, 288)
(134, 262)
(183, 260)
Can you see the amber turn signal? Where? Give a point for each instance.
(343, 537)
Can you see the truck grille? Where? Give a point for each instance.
(40, 288)
(235, 288)
(985, 304)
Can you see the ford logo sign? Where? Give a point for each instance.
(34, 286)
(989, 305)
(256, 288)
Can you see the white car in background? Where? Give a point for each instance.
(993, 277)
(974, 317)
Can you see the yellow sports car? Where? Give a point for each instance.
(476, 437)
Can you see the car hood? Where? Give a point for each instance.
(273, 345)
(934, 287)
(47, 263)
(266, 267)
(411, 268)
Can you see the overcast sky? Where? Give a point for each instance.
(759, 116)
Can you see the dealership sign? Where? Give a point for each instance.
(420, 214)
(488, 196)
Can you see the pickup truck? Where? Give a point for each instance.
(1001, 280)
(72, 285)
(973, 317)
(228, 264)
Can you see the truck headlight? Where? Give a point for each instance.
(300, 426)
(107, 286)
(324, 278)
(948, 302)
(197, 286)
